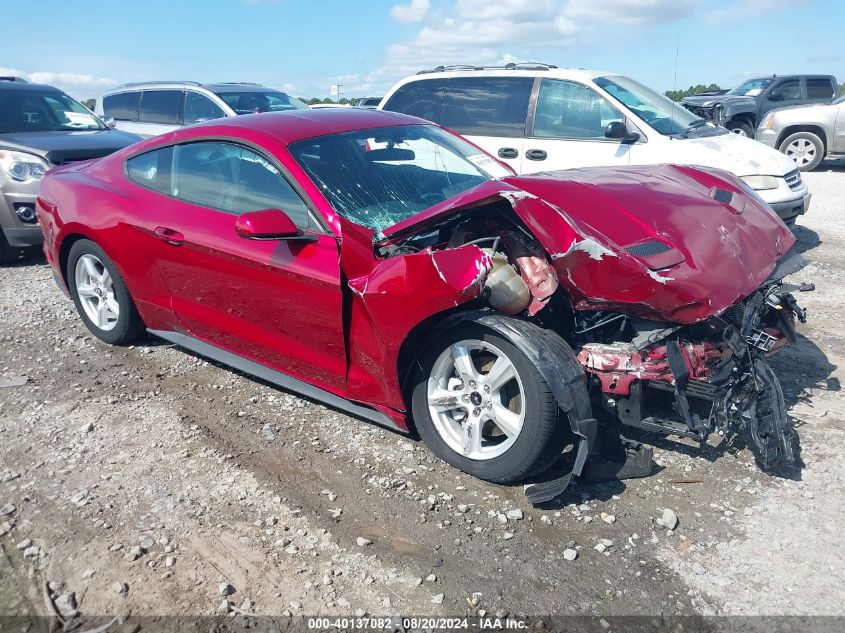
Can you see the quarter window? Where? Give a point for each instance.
(152, 169)
(419, 98)
(487, 105)
(566, 109)
(233, 179)
(122, 106)
(161, 106)
(200, 108)
(819, 89)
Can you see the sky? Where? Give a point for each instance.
(303, 47)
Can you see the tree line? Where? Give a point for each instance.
(677, 95)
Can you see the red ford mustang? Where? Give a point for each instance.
(391, 269)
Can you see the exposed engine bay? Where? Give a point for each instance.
(687, 379)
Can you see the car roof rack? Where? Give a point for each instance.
(509, 66)
(236, 83)
(15, 79)
(144, 83)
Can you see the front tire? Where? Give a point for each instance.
(740, 128)
(481, 405)
(805, 148)
(100, 295)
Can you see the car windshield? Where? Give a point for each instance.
(377, 178)
(253, 101)
(750, 88)
(661, 113)
(43, 111)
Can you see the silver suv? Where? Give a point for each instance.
(41, 127)
(156, 107)
(807, 134)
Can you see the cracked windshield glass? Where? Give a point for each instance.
(377, 178)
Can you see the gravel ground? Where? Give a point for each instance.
(146, 481)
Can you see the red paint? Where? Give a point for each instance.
(266, 224)
(330, 312)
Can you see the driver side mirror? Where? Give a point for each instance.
(269, 224)
(110, 122)
(619, 131)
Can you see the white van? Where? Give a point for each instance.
(537, 117)
(151, 108)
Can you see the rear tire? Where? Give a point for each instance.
(740, 128)
(805, 148)
(100, 295)
(488, 451)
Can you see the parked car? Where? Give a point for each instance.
(40, 127)
(319, 252)
(806, 134)
(741, 109)
(538, 118)
(155, 107)
(367, 102)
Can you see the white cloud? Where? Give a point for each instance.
(631, 12)
(413, 12)
(744, 9)
(73, 83)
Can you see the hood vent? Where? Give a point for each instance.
(647, 249)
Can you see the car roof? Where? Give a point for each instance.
(239, 87)
(295, 125)
(22, 86)
(502, 71)
(221, 87)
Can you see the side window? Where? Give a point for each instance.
(200, 108)
(233, 179)
(152, 169)
(786, 90)
(820, 89)
(487, 105)
(566, 109)
(419, 98)
(161, 106)
(122, 106)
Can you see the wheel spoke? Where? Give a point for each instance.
(105, 278)
(102, 315)
(86, 290)
(500, 374)
(90, 269)
(506, 420)
(471, 436)
(444, 400)
(112, 306)
(463, 362)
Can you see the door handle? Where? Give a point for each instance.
(536, 154)
(175, 238)
(508, 152)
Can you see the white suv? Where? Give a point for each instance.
(537, 117)
(155, 107)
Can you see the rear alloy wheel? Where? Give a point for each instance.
(740, 128)
(805, 148)
(100, 295)
(482, 406)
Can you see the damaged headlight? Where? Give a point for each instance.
(760, 183)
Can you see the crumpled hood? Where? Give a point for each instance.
(653, 240)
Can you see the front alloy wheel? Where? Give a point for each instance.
(481, 405)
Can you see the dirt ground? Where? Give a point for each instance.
(146, 481)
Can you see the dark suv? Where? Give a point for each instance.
(41, 127)
(741, 109)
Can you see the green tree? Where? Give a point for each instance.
(677, 95)
(89, 103)
(842, 89)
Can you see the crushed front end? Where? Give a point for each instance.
(708, 377)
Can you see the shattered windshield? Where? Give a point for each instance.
(377, 178)
(751, 88)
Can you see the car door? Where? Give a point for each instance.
(566, 129)
(782, 93)
(491, 112)
(276, 302)
(199, 108)
(159, 112)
